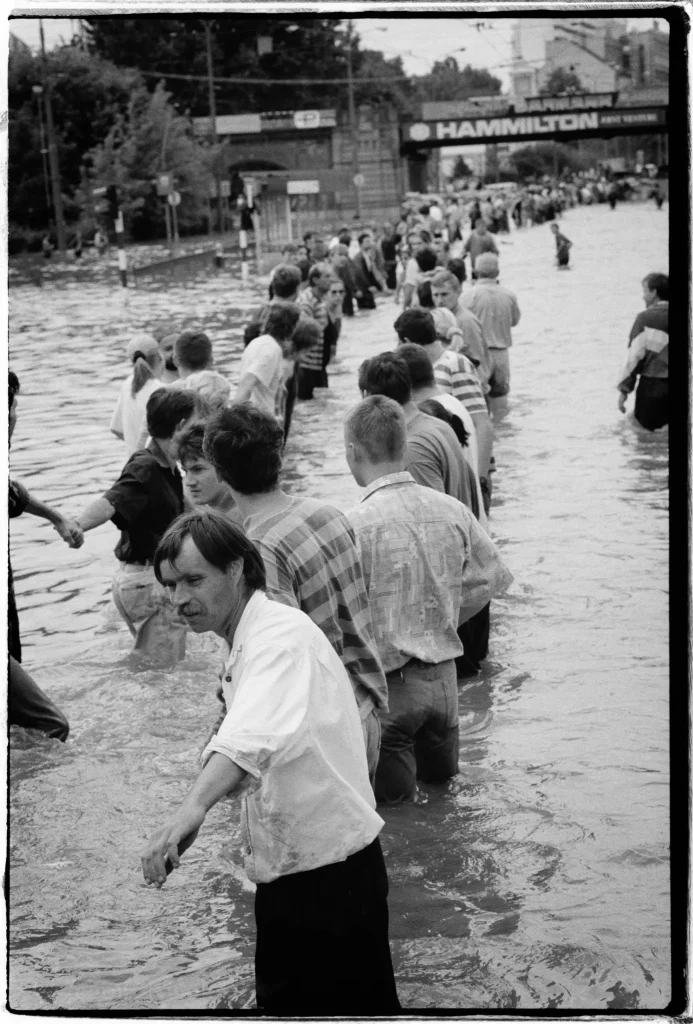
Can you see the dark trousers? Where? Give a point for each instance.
(290, 400)
(348, 302)
(366, 300)
(652, 402)
(474, 635)
(29, 707)
(308, 380)
(322, 940)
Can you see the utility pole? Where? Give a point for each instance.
(38, 92)
(356, 166)
(213, 138)
(52, 151)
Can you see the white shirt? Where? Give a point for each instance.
(471, 452)
(264, 358)
(293, 725)
(130, 414)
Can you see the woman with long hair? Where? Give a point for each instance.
(129, 420)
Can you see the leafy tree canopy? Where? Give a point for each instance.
(149, 139)
(561, 80)
(88, 93)
(300, 48)
(447, 81)
(534, 161)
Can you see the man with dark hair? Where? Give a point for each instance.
(454, 375)
(433, 455)
(28, 706)
(429, 567)
(416, 240)
(308, 549)
(311, 372)
(366, 274)
(474, 633)
(647, 363)
(142, 504)
(192, 354)
(285, 282)
(201, 482)
(284, 287)
(263, 370)
(291, 744)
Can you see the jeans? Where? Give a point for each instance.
(149, 616)
(500, 375)
(371, 735)
(420, 733)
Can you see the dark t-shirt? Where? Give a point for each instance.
(435, 459)
(147, 497)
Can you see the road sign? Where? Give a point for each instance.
(225, 189)
(307, 118)
(359, 180)
(174, 198)
(164, 184)
(303, 188)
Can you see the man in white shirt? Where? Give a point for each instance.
(262, 371)
(291, 742)
(416, 240)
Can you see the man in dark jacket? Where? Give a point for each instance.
(368, 278)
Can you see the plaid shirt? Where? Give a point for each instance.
(429, 567)
(455, 375)
(312, 563)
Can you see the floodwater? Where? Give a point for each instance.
(540, 876)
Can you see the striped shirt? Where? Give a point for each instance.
(311, 305)
(455, 375)
(429, 567)
(312, 563)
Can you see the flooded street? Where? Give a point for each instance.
(540, 876)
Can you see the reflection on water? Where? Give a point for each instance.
(539, 876)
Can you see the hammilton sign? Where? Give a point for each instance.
(538, 118)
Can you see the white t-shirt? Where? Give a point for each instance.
(130, 414)
(264, 359)
(471, 452)
(293, 725)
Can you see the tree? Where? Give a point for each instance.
(300, 48)
(395, 88)
(447, 81)
(561, 81)
(88, 94)
(150, 138)
(461, 169)
(534, 161)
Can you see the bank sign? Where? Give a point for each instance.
(528, 126)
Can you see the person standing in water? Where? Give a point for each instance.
(563, 246)
(291, 744)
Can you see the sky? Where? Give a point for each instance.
(483, 42)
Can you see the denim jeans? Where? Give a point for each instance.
(420, 733)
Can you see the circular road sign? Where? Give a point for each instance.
(174, 198)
